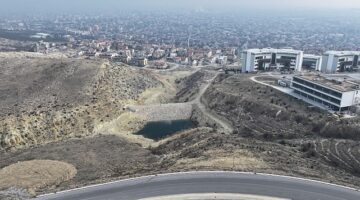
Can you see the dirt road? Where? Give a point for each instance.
(172, 110)
(226, 127)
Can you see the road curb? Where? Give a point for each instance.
(200, 172)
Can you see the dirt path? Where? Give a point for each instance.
(173, 108)
(227, 128)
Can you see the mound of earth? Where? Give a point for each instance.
(96, 159)
(36, 174)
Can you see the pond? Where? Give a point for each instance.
(160, 129)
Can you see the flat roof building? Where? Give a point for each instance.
(338, 94)
(340, 61)
(312, 62)
(263, 59)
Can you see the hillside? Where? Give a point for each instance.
(50, 99)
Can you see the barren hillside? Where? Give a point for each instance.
(49, 99)
(305, 136)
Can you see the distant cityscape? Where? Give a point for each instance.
(156, 39)
(170, 100)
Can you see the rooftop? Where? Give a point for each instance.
(311, 56)
(342, 53)
(270, 50)
(341, 84)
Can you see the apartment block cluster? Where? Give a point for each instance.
(289, 59)
(141, 55)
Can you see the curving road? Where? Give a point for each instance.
(229, 183)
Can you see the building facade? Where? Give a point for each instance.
(335, 94)
(264, 59)
(340, 61)
(312, 62)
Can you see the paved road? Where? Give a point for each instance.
(210, 182)
(291, 92)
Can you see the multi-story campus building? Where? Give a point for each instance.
(340, 61)
(312, 62)
(337, 95)
(263, 59)
(330, 62)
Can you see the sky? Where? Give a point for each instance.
(31, 6)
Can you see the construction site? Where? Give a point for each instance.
(66, 123)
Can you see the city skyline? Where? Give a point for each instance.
(34, 6)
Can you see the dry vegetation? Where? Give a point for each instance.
(36, 174)
(189, 87)
(59, 100)
(205, 149)
(344, 154)
(45, 100)
(14, 45)
(270, 117)
(96, 159)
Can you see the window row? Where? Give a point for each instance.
(318, 94)
(333, 107)
(318, 87)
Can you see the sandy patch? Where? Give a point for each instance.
(124, 126)
(36, 174)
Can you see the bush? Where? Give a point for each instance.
(316, 127)
(341, 131)
(311, 153)
(301, 119)
(306, 147)
(267, 136)
(282, 142)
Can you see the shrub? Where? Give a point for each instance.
(316, 127)
(341, 132)
(305, 147)
(301, 119)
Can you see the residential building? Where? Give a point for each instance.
(222, 60)
(142, 62)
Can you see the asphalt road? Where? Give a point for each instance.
(210, 182)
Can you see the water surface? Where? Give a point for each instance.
(160, 129)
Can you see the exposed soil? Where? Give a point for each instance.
(96, 159)
(189, 87)
(270, 117)
(272, 132)
(45, 100)
(35, 174)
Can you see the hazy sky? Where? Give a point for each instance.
(22, 6)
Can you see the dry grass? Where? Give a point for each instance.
(36, 174)
(124, 126)
(64, 98)
(241, 160)
(30, 55)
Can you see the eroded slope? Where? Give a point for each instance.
(44, 100)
